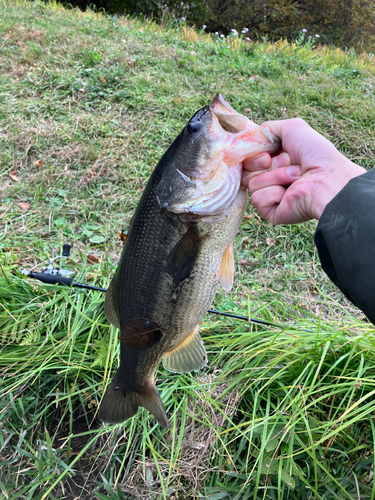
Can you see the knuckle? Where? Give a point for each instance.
(297, 122)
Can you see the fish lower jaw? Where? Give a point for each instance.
(213, 202)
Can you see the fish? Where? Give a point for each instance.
(179, 248)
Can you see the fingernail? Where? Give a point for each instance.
(294, 172)
(261, 162)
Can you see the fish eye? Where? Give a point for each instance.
(193, 128)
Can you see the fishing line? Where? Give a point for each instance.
(53, 278)
(57, 276)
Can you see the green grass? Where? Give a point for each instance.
(278, 413)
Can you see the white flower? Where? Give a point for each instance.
(183, 18)
(222, 36)
(235, 32)
(248, 39)
(310, 36)
(304, 30)
(216, 32)
(204, 27)
(245, 30)
(317, 36)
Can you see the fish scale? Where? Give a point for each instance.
(178, 249)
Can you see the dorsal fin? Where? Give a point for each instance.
(188, 356)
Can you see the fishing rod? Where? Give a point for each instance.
(56, 276)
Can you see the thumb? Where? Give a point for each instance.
(275, 126)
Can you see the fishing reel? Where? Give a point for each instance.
(53, 274)
(57, 276)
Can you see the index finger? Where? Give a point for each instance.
(256, 163)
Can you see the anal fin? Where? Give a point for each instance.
(226, 273)
(188, 356)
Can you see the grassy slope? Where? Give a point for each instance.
(279, 413)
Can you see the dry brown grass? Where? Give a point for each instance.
(202, 426)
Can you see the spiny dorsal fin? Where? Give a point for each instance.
(226, 273)
(188, 356)
(182, 258)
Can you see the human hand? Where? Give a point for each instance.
(296, 185)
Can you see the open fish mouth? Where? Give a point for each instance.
(246, 137)
(213, 194)
(210, 183)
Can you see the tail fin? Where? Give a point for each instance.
(118, 405)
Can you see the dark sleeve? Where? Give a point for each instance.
(345, 239)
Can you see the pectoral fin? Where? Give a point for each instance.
(140, 334)
(188, 356)
(226, 273)
(182, 258)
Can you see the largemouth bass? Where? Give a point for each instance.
(178, 249)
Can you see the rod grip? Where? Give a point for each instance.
(52, 279)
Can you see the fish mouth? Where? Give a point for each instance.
(214, 184)
(213, 194)
(244, 138)
(229, 118)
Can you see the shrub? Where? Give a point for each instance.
(348, 23)
(341, 22)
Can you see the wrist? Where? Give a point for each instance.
(326, 191)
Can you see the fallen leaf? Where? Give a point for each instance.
(24, 206)
(245, 239)
(249, 216)
(38, 164)
(92, 259)
(270, 242)
(122, 236)
(245, 262)
(213, 85)
(13, 176)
